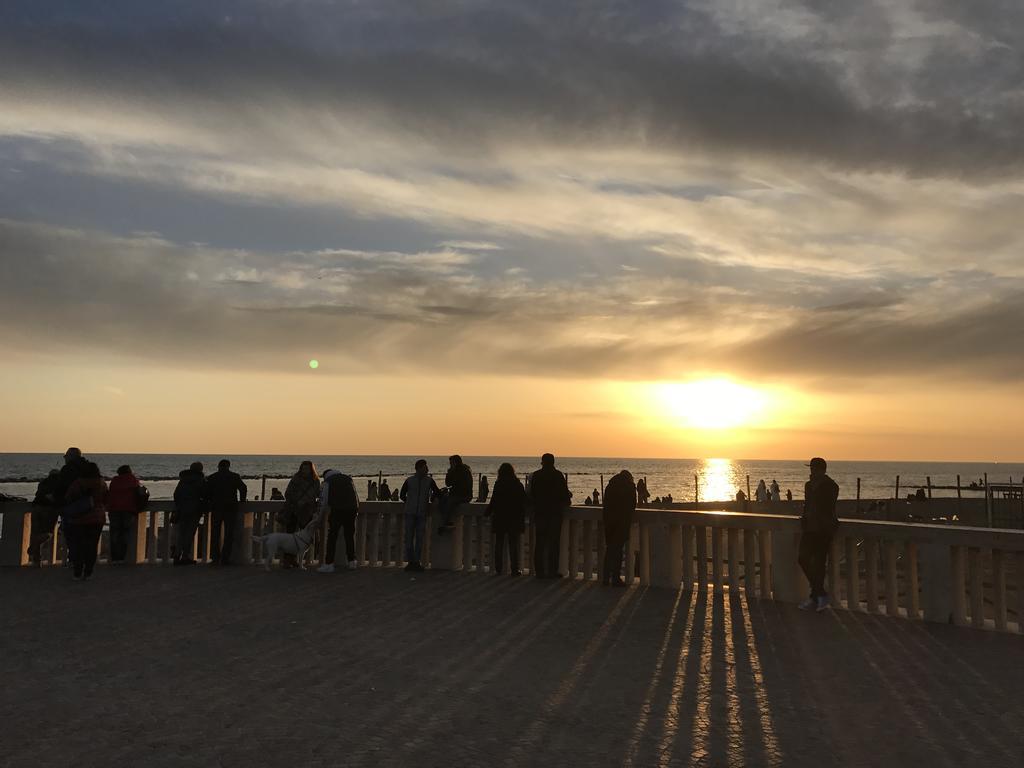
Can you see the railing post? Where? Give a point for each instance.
(999, 588)
(675, 555)
(242, 544)
(834, 553)
(136, 539)
(750, 563)
(631, 547)
(645, 553)
(913, 585)
(588, 550)
(563, 548)
(938, 578)
(871, 574)
(786, 576)
(483, 540)
(660, 548)
(688, 557)
(977, 586)
(716, 560)
(764, 540)
(733, 546)
(17, 533)
(701, 534)
(852, 575)
(892, 603)
(571, 564)
(152, 535)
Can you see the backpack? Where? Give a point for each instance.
(341, 492)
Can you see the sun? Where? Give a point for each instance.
(713, 404)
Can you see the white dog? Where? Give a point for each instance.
(288, 543)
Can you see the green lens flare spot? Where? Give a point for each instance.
(314, 364)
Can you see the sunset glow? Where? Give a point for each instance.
(712, 404)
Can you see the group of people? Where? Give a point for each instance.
(83, 502)
(765, 493)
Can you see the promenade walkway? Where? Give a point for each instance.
(155, 666)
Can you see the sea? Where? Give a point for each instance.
(683, 479)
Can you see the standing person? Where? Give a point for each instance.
(818, 523)
(619, 506)
(485, 490)
(189, 507)
(458, 482)
(125, 499)
(417, 492)
(596, 497)
(774, 491)
(371, 490)
(550, 495)
(338, 499)
(384, 492)
(300, 504)
(84, 515)
(508, 517)
(224, 492)
(761, 492)
(642, 494)
(45, 513)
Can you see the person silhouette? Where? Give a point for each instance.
(550, 495)
(619, 506)
(818, 523)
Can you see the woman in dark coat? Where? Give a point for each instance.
(507, 510)
(84, 517)
(619, 506)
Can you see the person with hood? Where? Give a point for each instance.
(301, 499)
(189, 507)
(84, 514)
(45, 513)
(484, 490)
(507, 511)
(338, 500)
(773, 491)
(550, 495)
(458, 490)
(224, 492)
(818, 523)
(418, 491)
(761, 492)
(125, 499)
(619, 506)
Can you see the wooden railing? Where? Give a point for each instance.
(962, 575)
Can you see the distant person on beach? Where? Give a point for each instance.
(301, 497)
(126, 497)
(44, 519)
(789, 495)
(642, 494)
(619, 506)
(741, 499)
(507, 510)
(774, 491)
(224, 492)
(588, 502)
(394, 495)
(920, 495)
(339, 502)
(45, 513)
(596, 496)
(418, 490)
(189, 507)
(818, 523)
(550, 495)
(371, 490)
(84, 514)
(276, 495)
(761, 493)
(384, 492)
(458, 481)
(484, 490)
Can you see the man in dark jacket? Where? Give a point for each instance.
(819, 523)
(549, 492)
(619, 506)
(225, 491)
(46, 513)
(458, 482)
(189, 506)
(338, 498)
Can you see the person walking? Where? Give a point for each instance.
(818, 524)
(300, 504)
(417, 492)
(507, 510)
(619, 506)
(189, 506)
(339, 501)
(224, 492)
(84, 515)
(126, 497)
(550, 495)
(458, 490)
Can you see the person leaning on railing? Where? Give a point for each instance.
(549, 492)
(619, 506)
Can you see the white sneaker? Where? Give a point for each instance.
(822, 603)
(808, 604)
(325, 568)
(352, 565)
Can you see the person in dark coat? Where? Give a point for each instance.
(189, 507)
(45, 512)
(507, 511)
(225, 491)
(818, 523)
(550, 495)
(619, 506)
(124, 502)
(84, 514)
(458, 481)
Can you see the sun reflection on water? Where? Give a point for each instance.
(719, 480)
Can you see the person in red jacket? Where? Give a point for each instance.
(125, 500)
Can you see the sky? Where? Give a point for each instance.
(659, 229)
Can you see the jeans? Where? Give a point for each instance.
(120, 525)
(500, 537)
(229, 517)
(415, 527)
(83, 542)
(188, 523)
(43, 525)
(339, 520)
(548, 540)
(616, 534)
(814, 547)
(449, 504)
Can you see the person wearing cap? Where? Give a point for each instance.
(818, 523)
